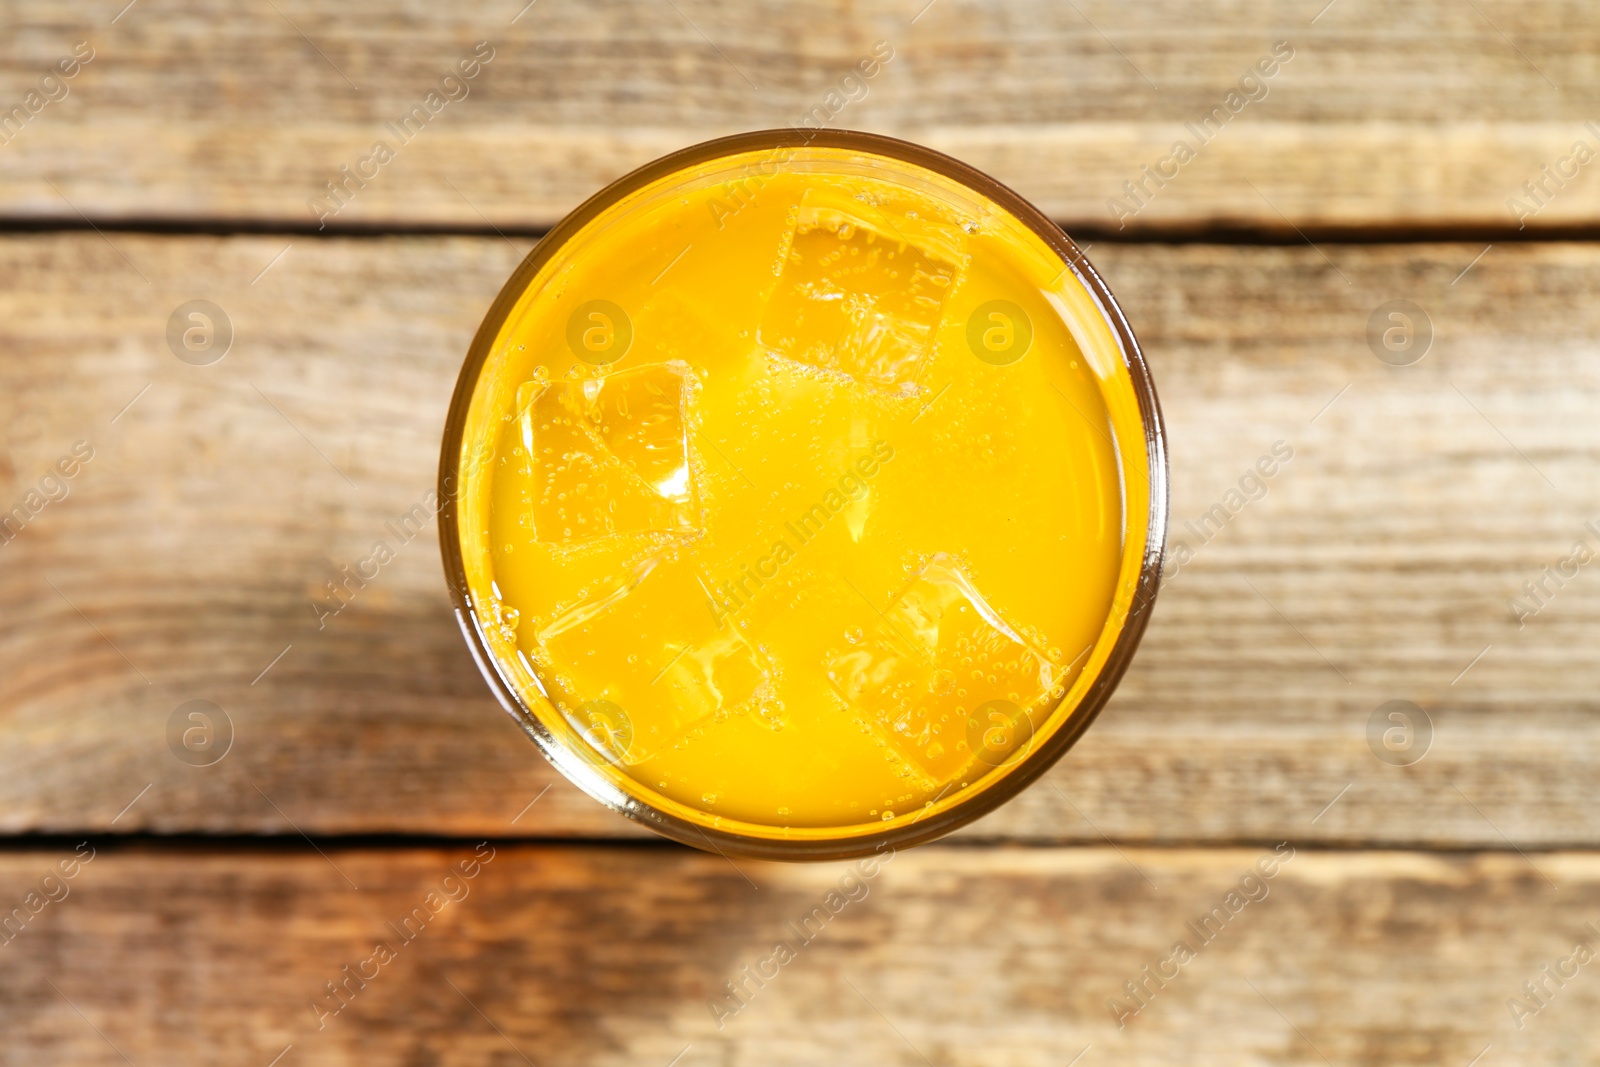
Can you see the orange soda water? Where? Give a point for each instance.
(803, 493)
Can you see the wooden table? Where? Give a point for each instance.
(1385, 159)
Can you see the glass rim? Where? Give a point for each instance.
(1038, 760)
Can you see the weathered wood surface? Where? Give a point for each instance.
(1378, 566)
(1420, 114)
(565, 955)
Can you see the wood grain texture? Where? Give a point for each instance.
(1418, 114)
(1003, 956)
(1377, 565)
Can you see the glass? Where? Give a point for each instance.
(726, 550)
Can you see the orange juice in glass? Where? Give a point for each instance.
(804, 494)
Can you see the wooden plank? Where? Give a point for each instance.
(1423, 114)
(1377, 566)
(945, 956)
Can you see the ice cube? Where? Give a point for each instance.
(610, 455)
(861, 291)
(656, 649)
(949, 681)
